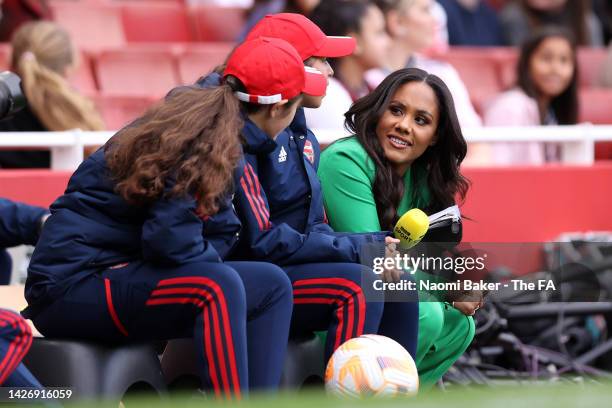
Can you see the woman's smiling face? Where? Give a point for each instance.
(408, 125)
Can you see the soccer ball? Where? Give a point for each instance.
(371, 365)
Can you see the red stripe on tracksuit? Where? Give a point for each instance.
(208, 349)
(111, 308)
(213, 310)
(342, 298)
(251, 173)
(209, 308)
(252, 189)
(251, 202)
(345, 296)
(18, 347)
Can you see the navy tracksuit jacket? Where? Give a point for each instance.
(106, 270)
(279, 201)
(19, 225)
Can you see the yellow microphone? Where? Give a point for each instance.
(411, 228)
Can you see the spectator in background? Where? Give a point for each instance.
(42, 56)
(412, 28)
(603, 10)
(472, 22)
(17, 12)
(363, 21)
(546, 94)
(261, 8)
(522, 17)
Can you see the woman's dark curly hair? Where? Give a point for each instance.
(440, 162)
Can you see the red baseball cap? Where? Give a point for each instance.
(271, 70)
(303, 34)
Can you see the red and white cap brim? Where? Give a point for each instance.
(258, 99)
(334, 47)
(316, 83)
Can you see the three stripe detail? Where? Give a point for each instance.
(252, 189)
(345, 294)
(218, 342)
(18, 347)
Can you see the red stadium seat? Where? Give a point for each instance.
(478, 70)
(35, 187)
(200, 60)
(83, 78)
(214, 23)
(603, 151)
(91, 25)
(595, 105)
(507, 60)
(590, 63)
(118, 111)
(595, 108)
(136, 72)
(156, 22)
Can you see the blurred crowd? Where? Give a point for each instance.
(390, 34)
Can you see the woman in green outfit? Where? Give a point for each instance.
(405, 154)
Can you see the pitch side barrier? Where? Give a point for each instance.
(577, 141)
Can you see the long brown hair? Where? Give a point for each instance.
(42, 52)
(190, 139)
(440, 162)
(565, 105)
(573, 15)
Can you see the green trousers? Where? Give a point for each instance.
(444, 335)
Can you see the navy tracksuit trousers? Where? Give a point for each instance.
(15, 341)
(238, 314)
(330, 296)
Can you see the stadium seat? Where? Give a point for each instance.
(303, 363)
(83, 77)
(506, 60)
(91, 25)
(595, 105)
(93, 370)
(478, 70)
(90, 370)
(214, 23)
(603, 151)
(590, 63)
(118, 111)
(136, 72)
(152, 21)
(201, 59)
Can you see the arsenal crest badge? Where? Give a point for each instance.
(309, 151)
